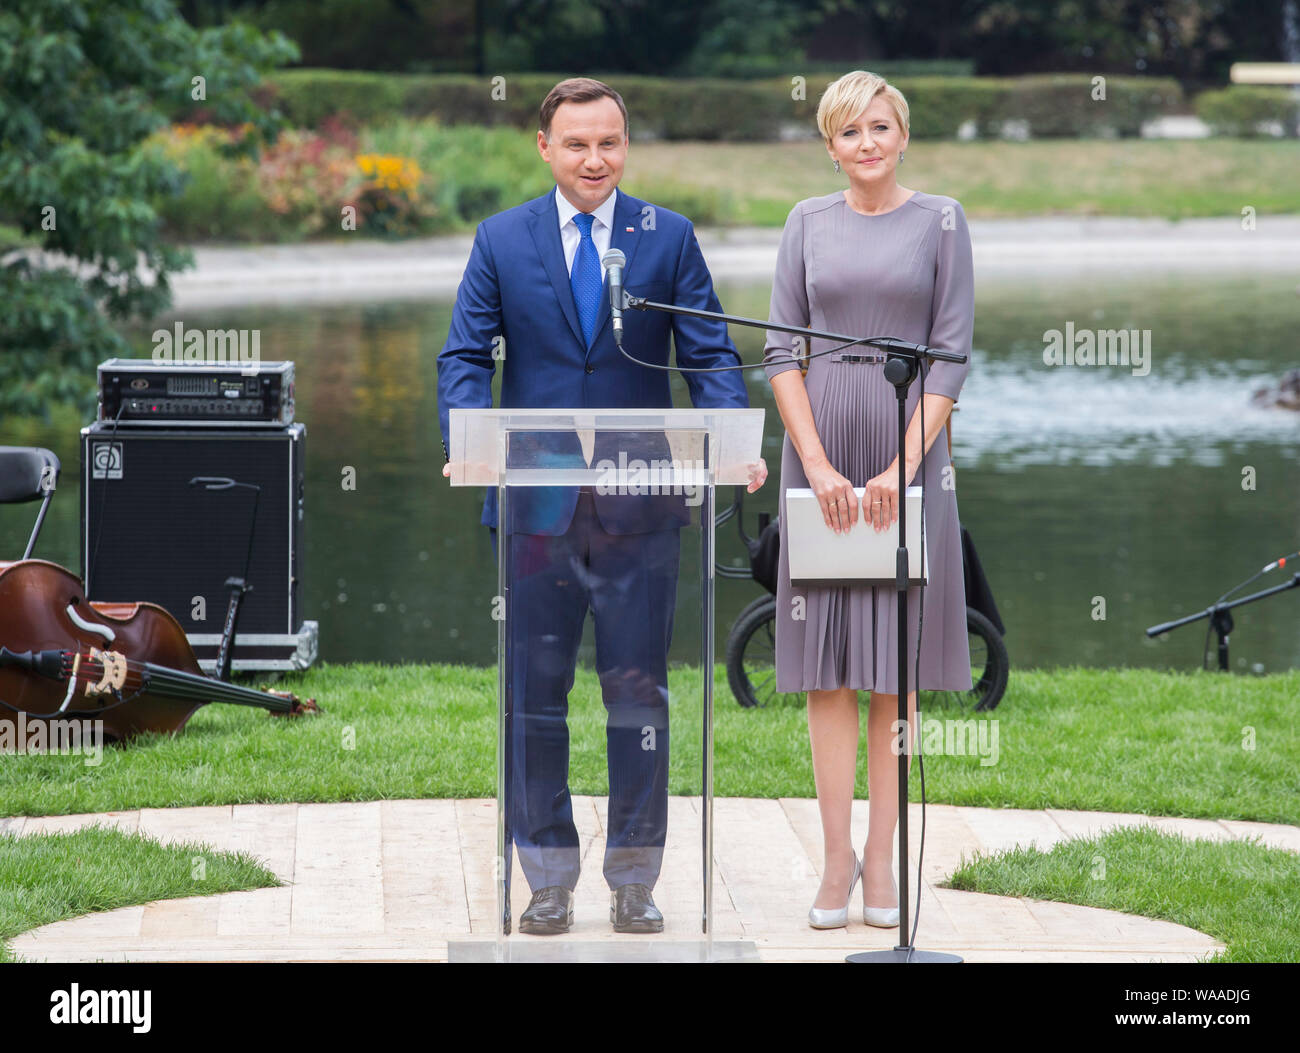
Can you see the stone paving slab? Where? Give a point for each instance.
(399, 880)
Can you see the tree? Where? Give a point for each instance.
(82, 84)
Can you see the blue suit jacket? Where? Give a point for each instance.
(516, 285)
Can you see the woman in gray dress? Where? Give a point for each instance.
(875, 259)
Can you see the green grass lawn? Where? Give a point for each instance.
(1173, 179)
(46, 878)
(477, 171)
(1239, 892)
(1202, 745)
(1102, 740)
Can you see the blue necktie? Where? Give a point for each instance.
(586, 279)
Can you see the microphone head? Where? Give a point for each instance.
(613, 258)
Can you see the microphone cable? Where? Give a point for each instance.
(731, 369)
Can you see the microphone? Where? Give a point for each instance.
(614, 262)
(892, 343)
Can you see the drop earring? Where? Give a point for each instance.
(836, 164)
(900, 157)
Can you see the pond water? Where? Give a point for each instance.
(1155, 493)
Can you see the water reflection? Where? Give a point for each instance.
(1076, 483)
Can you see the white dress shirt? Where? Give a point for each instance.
(602, 227)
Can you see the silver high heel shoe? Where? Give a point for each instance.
(830, 917)
(882, 917)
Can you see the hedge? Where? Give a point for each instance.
(737, 110)
(1241, 109)
(1057, 105)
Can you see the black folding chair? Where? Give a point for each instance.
(28, 473)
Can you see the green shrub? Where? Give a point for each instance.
(305, 177)
(939, 106)
(472, 171)
(513, 101)
(476, 171)
(1239, 110)
(1059, 105)
(722, 110)
(308, 96)
(703, 206)
(219, 197)
(754, 110)
(296, 188)
(391, 196)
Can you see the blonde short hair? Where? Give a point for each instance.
(849, 96)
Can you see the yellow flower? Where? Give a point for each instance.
(389, 172)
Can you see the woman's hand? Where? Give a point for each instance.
(835, 495)
(880, 502)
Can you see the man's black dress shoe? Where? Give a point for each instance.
(549, 912)
(632, 909)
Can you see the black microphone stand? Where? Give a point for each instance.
(901, 368)
(1221, 619)
(238, 586)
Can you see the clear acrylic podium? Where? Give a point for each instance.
(604, 609)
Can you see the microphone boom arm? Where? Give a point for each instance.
(885, 343)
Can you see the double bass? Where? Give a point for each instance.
(66, 658)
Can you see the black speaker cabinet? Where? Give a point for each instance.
(147, 534)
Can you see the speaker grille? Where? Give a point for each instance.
(148, 535)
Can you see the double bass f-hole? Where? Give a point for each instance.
(90, 627)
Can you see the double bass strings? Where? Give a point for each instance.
(182, 685)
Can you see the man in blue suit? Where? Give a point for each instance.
(535, 286)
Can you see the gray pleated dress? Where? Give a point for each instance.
(908, 274)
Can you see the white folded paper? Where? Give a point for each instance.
(860, 556)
